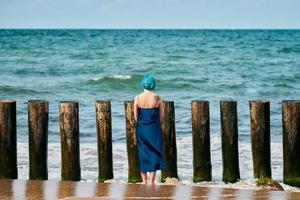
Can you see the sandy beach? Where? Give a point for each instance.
(96, 95)
(54, 189)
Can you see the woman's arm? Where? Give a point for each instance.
(160, 107)
(135, 108)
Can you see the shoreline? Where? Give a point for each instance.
(246, 184)
(54, 189)
(89, 160)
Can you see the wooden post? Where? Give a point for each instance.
(38, 116)
(69, 135)
(169, 141)
(291, 142)
(132, 150)
(104, 139)
(260, 138)
(230, 154)
(8, 139)
(201, 141)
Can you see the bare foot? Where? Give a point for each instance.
(151, 183)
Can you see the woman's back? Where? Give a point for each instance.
(147, 106)
(148, 100)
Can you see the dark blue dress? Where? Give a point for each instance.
(149, 140)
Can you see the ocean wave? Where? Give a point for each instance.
(88, 56)
(233, 86)
(188, 80)
(29, 71)
(117, 81)
(284, 79)
(16, 90)
(115, 76)
(293, 49)
(284, 85)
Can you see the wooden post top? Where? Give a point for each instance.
(228, 101)
(199, 101)
(102, 101)
(37, 101)
(7, 101)
(68, 102)
(259, 101)
(291, 101)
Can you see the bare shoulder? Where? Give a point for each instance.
(157, 97)
(137, 96)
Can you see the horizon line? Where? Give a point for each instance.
(129, 28)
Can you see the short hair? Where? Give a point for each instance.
(148, 82)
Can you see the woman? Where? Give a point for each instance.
(147, 114)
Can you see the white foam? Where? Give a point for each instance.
(119, 76)
(97, 78)
(115, 76)
(89, 163)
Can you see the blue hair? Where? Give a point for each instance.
(148, 82)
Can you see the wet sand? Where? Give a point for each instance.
(54, 189)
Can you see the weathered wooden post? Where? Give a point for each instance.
(201, 141)
(132, 149)
(260, 138)
(104, 138)
(291, 142)
(169, 141)
(38, 116)
(69, 135)
(8, 139)
(230, 154)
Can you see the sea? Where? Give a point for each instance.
(88, 65)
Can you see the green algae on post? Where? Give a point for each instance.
(269, 183)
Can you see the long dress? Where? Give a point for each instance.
(149, 140)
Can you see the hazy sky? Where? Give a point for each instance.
(150, 14)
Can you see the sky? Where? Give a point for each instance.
(182, 14)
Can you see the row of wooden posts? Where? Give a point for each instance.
(38, 116)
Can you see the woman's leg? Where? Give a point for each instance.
(144, 177)
(152, 177)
